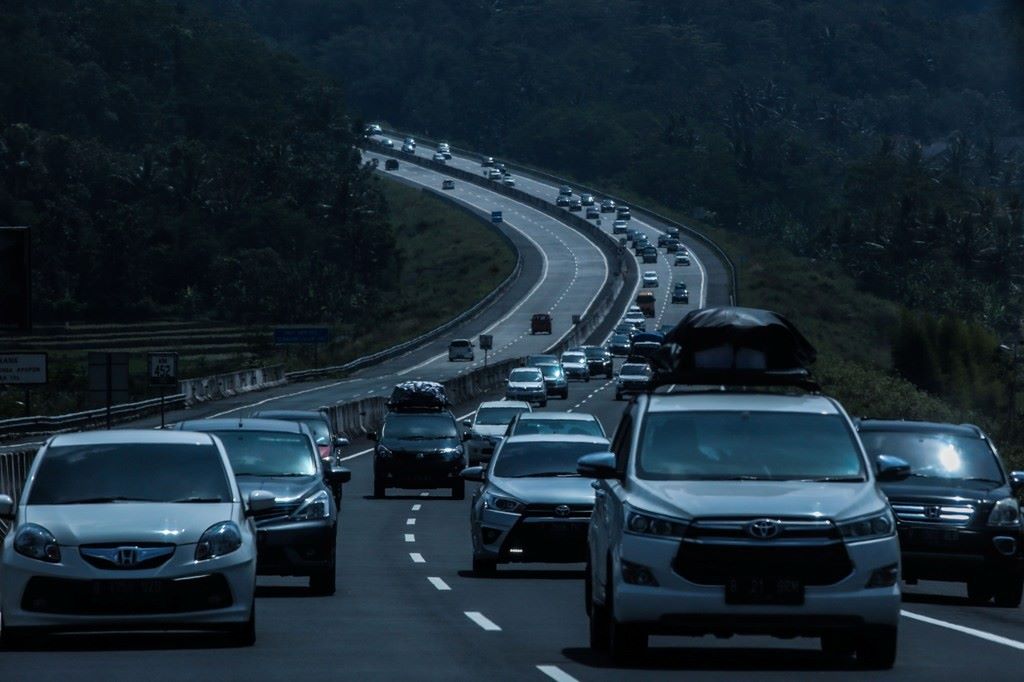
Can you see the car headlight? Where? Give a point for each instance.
(218, 540)
(505, 504)
(383, 452)
(868, 527)
(316, 506)
(1005, 513)
(35, 542)
(655, 526)
(451, 452)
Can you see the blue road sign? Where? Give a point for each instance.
(302, 335)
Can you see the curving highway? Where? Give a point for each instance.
(408, 607)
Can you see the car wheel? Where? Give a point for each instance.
(876, 647)
(459, 490)
(323, 583)
(379, 489)
(979, 591)
(1008, 591)
(625, 640)
(838, 645)
(565, 394)
(609, 374)
(244, 634)
(484, 566)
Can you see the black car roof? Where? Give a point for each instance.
(964, 430)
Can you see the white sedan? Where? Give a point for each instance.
(130, 529)
(650, 279)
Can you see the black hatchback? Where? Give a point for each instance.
(957, 513)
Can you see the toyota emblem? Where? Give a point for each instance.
(562, 511)
(764, 529)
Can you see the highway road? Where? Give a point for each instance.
(408, 607)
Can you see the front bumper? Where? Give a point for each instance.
(630, 388)
(958, 554)
(76, 596)
(539, 395)
(514, 538)
(678, 606)
(577, 373)
(295, 547)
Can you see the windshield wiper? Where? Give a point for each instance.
(982, 480)
(268, 475)
(196, 500)
(833, 479)
(550, 474)
(102, 500)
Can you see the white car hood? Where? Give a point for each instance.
(559, 490)
(76, 524)
(490, 430)
(706, 499)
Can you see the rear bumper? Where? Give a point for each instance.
(298, 548)
(418, 473)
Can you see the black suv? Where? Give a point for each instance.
(420, 444)
(599, 360)
(957, 514)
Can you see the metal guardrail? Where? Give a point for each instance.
(80, 420)
(522, 169)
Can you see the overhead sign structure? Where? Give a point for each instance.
(302, 335)
(163, 369)
(23, 369)
(496, 216)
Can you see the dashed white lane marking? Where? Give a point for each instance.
(980, 634)
(441, 585)
(556, 673)
(410, 522)
(409, 537)
(354, 455)
(483, 621)
(424, 494)
(417, 558)
(417, 507)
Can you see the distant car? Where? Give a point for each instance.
(502, 168)
(527, 384)
(562, 201)
(532, 506)
(618, 345)
(391, 164)
(565, 191)
(447, 184)
(619, 227)
(540, 359)
(681, 259)
(540, 323)
(650, 255)
(575, 366)
(662, 239)
(575, 205)
(592, 213)
(487, 427)
(673, 232)
(494, 174)
(626, 328)
(487, 161)
(650, 279)
(444, 150)
(680, 294)
(461, 349)
(638, 320)
(554, 379)
(633, 378)
(672, 245)
(508, 181)
(587, 199)
(387, 142)
(643, 351)
(632, 233)
(328, 443)
(410, 140)
(374, 129)
(639, 245)
(607, 206)
(622, 212)
(408, 148)
(439, 157)
(556, 423)
(599, 361)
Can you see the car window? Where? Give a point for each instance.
(525, 460)
(268, 453)
(634, 370)
(598, 353)
(321, 432)
(525, 375)
(622, 439)
(936, 457)
(707, 445)
(567, 427)
(419, 426)
(460, 344)
(497, 416)
(147, 472)
(550, 371)
(573, 357)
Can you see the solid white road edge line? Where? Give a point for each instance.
(556, 673)
(441, 585)
(963, 629)
(483, 621)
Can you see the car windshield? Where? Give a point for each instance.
(634, 370)
(550, 371)
(619, 339)
(525, 375)
(130, 472)
(936, 458)
(420, 426)
(497, 416)
(565, 427)
(527, 460)
(777, 446)
(460, 344)
(595, 353)
(542, 359)
(268, 453)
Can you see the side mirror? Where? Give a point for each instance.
(338, 474)
(889, 468)
(1016, 483)
(473, 474)
(371, 435)
(468, 423)
(341, 442)
(260, 500)
(6, 507)
(597, 465)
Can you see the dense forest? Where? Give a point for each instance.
(885, 135)
(171, 164)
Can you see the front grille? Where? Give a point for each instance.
(279, 512)
(127, 556)
(546, 541)
(957, 514)
(576, 511)
(126, 597)
(714, 551)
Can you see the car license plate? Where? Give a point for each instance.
(936, 536)
(127, 589)
(763, 590)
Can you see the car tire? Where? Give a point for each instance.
(609, 374)
(618, 396)
(244, 634)
(876, 647)
(599, 617)
(459, 490)
(625, 641)
(484, 566)
(379, 490)
(1008, 590)
(324, 583)
(565, 394)
(979, 591)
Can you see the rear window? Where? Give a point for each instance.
(635, 370)
(127, 472)
(527, 460)
(268, 453)
(935, 458)
(525, 375)
(497, 416)
(646, 296)
(460, 344)
(564, 427)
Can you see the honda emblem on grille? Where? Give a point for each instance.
(932, 513)
(419, 455)
(764, 529)
(126, 557)
(562, 510)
